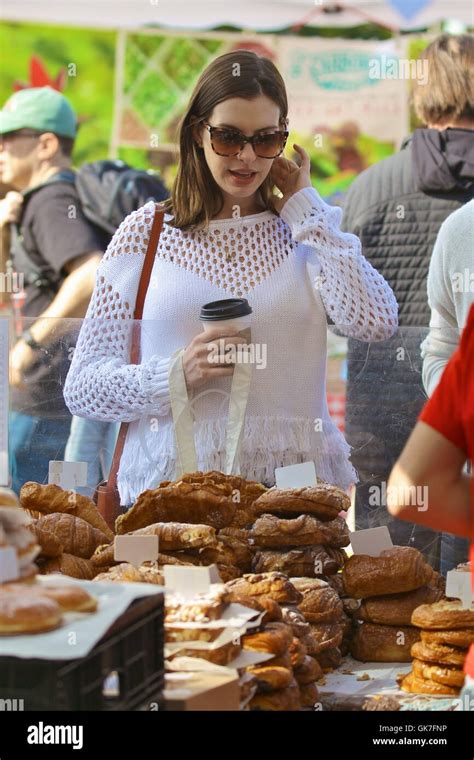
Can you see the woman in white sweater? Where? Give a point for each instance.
(227, 234)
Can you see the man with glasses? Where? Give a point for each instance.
(56, 250)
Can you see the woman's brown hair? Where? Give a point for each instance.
(448, 93)
(195, 196)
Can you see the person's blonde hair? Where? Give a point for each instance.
(448, 93)
(195, 196)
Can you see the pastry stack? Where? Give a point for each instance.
(323, 612)
(390, 586)
(298, 531)
(222, 503)
(25, 606)
(288, 680)
(15, 531)
(447, 632)
(68, 528)
(199, 611)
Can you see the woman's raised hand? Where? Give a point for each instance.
(289, 177)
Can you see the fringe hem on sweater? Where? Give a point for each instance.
(268, 442)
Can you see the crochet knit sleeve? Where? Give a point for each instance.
(356, 297)
(101, 383)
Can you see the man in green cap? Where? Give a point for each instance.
(57, 251)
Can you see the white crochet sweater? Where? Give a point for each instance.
(294, 269)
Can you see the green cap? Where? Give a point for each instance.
(40, 108)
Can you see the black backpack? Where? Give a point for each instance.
(108, 191)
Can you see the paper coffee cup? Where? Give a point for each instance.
(233, 313)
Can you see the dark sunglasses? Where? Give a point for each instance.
(229, 142)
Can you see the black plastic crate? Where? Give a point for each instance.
(132, 648)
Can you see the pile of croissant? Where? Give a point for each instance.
(388, 588)
(67, 527)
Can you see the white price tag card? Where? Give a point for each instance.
(67, 475)
(371, 541)
(296, 475)
(136, 549)
(9, 570)
(189, 581)
(459, 585)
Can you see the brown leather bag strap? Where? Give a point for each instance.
(155, 233)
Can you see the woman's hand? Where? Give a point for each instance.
(200, 360)
(289, 177)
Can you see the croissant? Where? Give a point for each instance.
(174, 535)
(74, 533)
(51, 498)
(196, 503)
(50, 544)
(67, 564)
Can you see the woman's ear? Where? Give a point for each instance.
(197, 135)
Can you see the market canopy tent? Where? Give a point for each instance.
(246, 14)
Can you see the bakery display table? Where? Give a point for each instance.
(355, 683)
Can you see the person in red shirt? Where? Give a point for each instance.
(434, 458)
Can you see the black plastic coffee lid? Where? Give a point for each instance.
(228, 308)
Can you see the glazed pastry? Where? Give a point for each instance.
(309, 694)
(383, 643)
(308, 671)
(197, 503)
(395, 570)
(175, 633)
(70, 598)
(241, 533)
(415, 685)
(51, 498)
(328, 635)
(174, 536)
(297, 652)
(22, 613)
(228, 572)
(320, 604)
(219, 655)
(329, 659)
(397, 609)
(440, 654)
(299, 625)
(201, 608)
(275, 638)
(323, 501)
(228, 551)
(283, 700)
(444, 615)
(271, 677)
(247, 490)
(304, 530)
(149, 572)
(459, 638)
(307, 561)
(275, 585)
(453, 677)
